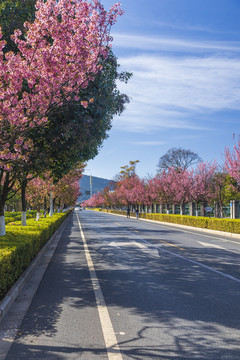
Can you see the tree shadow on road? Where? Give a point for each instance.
(179, 310)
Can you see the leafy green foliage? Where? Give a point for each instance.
(75, 133)
(13, 14)
(232, 189)
(128, 170)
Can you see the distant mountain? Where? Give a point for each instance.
(98, 184)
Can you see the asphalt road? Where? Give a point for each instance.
(122, 289)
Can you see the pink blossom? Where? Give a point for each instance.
(232, 162)
(54, 61)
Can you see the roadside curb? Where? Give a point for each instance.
(15, 290)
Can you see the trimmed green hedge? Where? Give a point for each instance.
(200, 222)
(21, 244)
(226, 225)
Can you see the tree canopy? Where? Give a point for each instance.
(178, 158)
(128, 171)
(74, 132)
(57, 87)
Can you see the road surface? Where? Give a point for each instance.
(122, 289)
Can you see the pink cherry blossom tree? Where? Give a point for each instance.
(202, 185)
(59, 56)
(232, 162)
(153, 189)
(96, 200)
(67, 190)
(130, 190)
(107, 193)
(171, 187)
(166, 190)
(41, 190)
(182, 183)
(37, 194)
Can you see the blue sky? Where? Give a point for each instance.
(185, 89)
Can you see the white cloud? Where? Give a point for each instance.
(168, 92)
(140, 117)
(157, 43)
(188, 27)
(191, 83)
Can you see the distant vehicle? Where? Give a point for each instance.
(77, 208)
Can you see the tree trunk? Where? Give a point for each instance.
(202, 209)
(38, 214)
(24, 218)
(45, 207)
(197, 208)
(168, 209)
(2, 220)
(181, 209)
(221, 211)
(51, 205)
(24, 205)
(5, 189)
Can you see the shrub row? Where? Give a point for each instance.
(226, 225)
(21, 244)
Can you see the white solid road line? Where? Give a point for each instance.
(202, 265)
(191, 261)
(111, 343)
(198, 231)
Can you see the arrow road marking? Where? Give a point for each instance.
(151, 250)
(210, 245)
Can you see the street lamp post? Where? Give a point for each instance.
(90, 185)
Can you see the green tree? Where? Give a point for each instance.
(219, 188)
(74, 133)
(128, 170)
(232, 189)
(13, 14)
